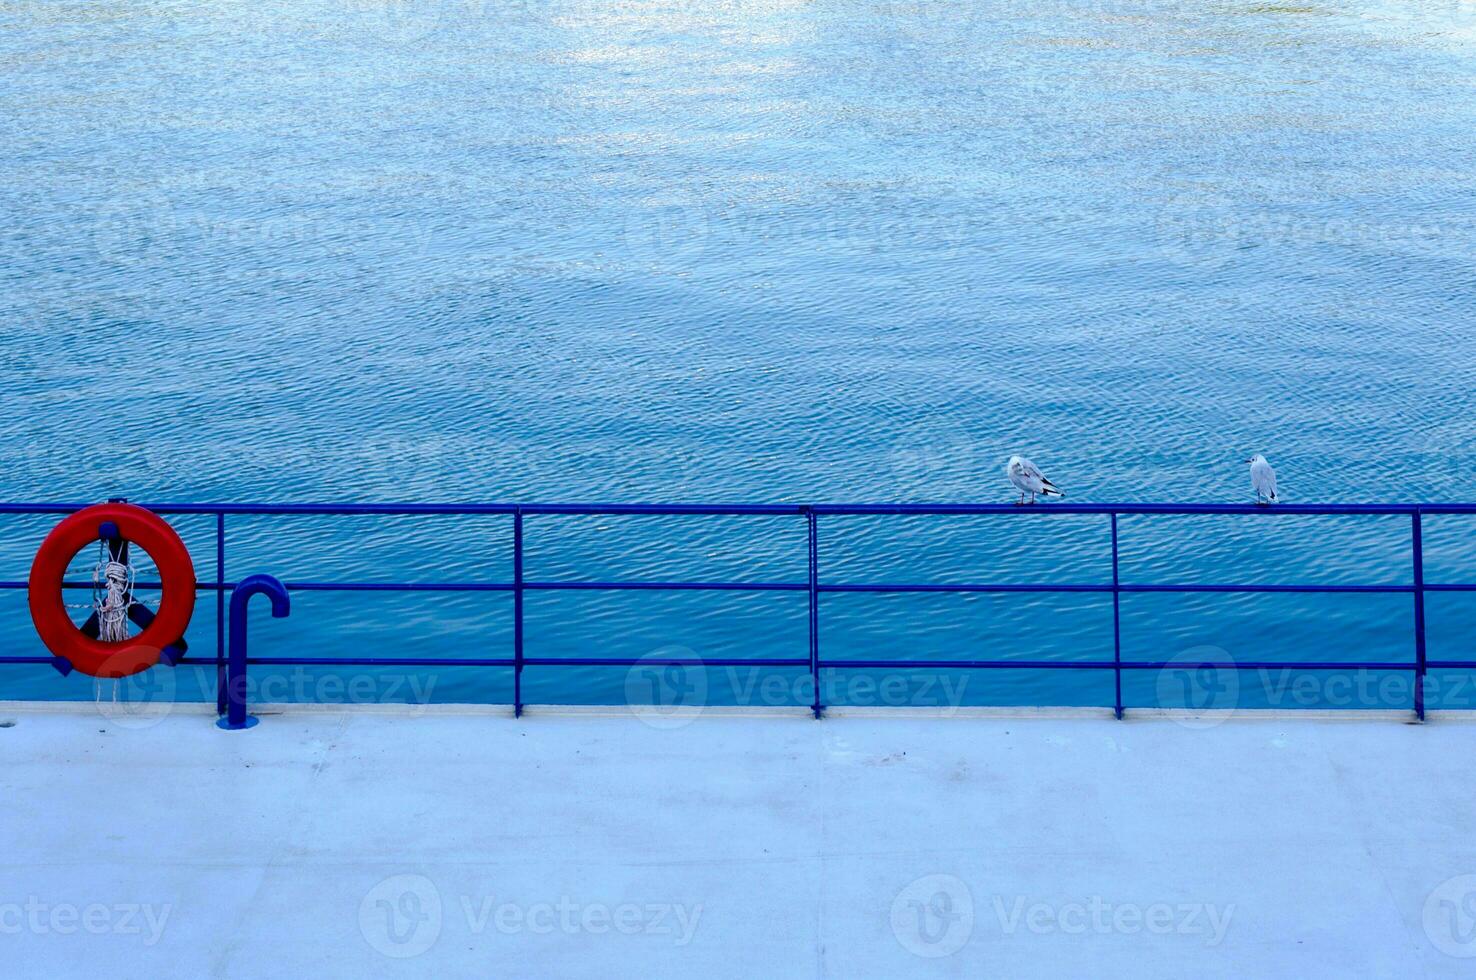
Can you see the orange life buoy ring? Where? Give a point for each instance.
(54, 624)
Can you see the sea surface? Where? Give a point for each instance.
(841, 250)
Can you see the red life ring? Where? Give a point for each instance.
(48, 605)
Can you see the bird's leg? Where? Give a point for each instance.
(1021, 501)
(1032, 497)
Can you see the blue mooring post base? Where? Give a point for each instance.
(224, 724)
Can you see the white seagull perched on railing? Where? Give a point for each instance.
(1026, 477)
(1263, 479)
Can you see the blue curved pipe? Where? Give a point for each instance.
(253, 585)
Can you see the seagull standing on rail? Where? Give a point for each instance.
(1263, 479)
(1026, 477)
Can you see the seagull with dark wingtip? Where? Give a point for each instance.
(1026, 477)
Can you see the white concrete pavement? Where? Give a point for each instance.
(363, 842)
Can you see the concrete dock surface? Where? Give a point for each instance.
(458, 842)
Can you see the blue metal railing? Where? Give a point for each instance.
(519, 586)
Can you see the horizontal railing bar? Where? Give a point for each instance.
(1126, 664)
(670, 510)
(666, 662)
(971, 664)
(1045, 587)
(1272, 664)
(468, 586)
(1451, 664)
(403, 509)
(1144, 508)
(1125, 587)
(398, 586)
(1269, 588)
(510, 662)
(672, 586)
(961, 587)
(42, 508)
(318, 586)
(853, 509)
(800, 662)
(368, 662)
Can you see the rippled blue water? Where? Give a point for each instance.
(767, 251)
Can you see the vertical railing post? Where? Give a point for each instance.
(220, 614)
(814, 550)
(1116, 626)
(518, 613)
(1417, 539)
